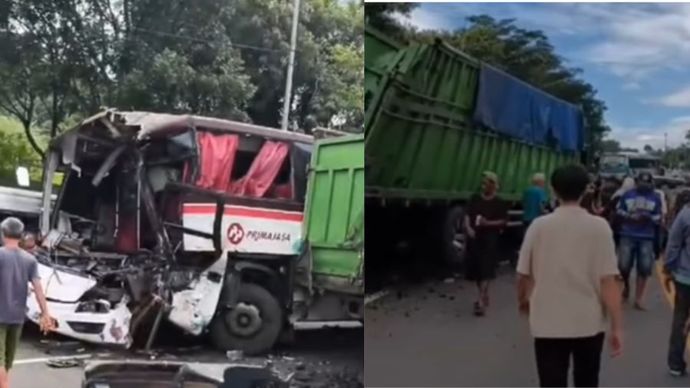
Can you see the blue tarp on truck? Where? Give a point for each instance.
(514, 108)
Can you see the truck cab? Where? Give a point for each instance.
(624, 164)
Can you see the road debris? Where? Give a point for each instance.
(64, 363)
(234, 355)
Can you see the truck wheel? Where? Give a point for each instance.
(252, 325)
(454, 237)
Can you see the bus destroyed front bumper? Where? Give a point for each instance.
(90, 320)
(98, 310)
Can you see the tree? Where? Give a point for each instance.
(383, 17)
(171, 83)
(324, 26)
(610, 145)
(211, 57)
(648, 149)
(21, 72)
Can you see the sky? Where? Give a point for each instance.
(636, 55)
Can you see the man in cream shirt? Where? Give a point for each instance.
(568, 285)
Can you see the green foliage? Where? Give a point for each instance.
(342, 91)
(172, 84)
(16, 151)
(382, 16)
(610, 145)
(65, 60)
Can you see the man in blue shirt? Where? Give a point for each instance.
(677, 267)
(534, 200)
(640, 212)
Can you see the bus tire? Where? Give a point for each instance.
(253, 325)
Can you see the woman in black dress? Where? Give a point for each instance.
(486, 216)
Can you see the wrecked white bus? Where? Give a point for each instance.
(191, 219)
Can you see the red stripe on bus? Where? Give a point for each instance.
(244, 212)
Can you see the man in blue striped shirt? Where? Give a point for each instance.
(640, 212)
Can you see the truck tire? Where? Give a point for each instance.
(253, 325)
(454, 237)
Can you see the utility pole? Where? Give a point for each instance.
(665, 141)
(291, 65)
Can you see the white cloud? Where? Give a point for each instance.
(637, 137)
(632, 41)
(428, 18)
(642, 42)
(677, 99)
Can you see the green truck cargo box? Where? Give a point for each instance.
(380, 53)
(421, 141)
(334, 214)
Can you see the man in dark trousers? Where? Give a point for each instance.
(567, 285)
(17, 269)
(677, 269)
(487, 214)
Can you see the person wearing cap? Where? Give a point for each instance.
(486, 216)
(639, 210)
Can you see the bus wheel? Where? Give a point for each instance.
(252, 325)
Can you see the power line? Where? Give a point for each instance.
(201, 40)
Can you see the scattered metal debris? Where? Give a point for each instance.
(64, 363)
(234, 355)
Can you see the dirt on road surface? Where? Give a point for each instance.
(318, 358)
(426, 335)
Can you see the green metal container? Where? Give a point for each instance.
(421, 142)
(334, 214)
(380, 54)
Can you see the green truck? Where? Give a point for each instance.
(223, 228)
(435, 119)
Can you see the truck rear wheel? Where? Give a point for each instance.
(252, 325)
(454, 237)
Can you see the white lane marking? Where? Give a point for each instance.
(45, 359)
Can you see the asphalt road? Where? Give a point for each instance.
(321, 358)
(426, 335)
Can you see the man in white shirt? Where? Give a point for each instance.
(568, 284)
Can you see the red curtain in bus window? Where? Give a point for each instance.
(216, 160)
(263, 171)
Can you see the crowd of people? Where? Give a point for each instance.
(583, 239)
